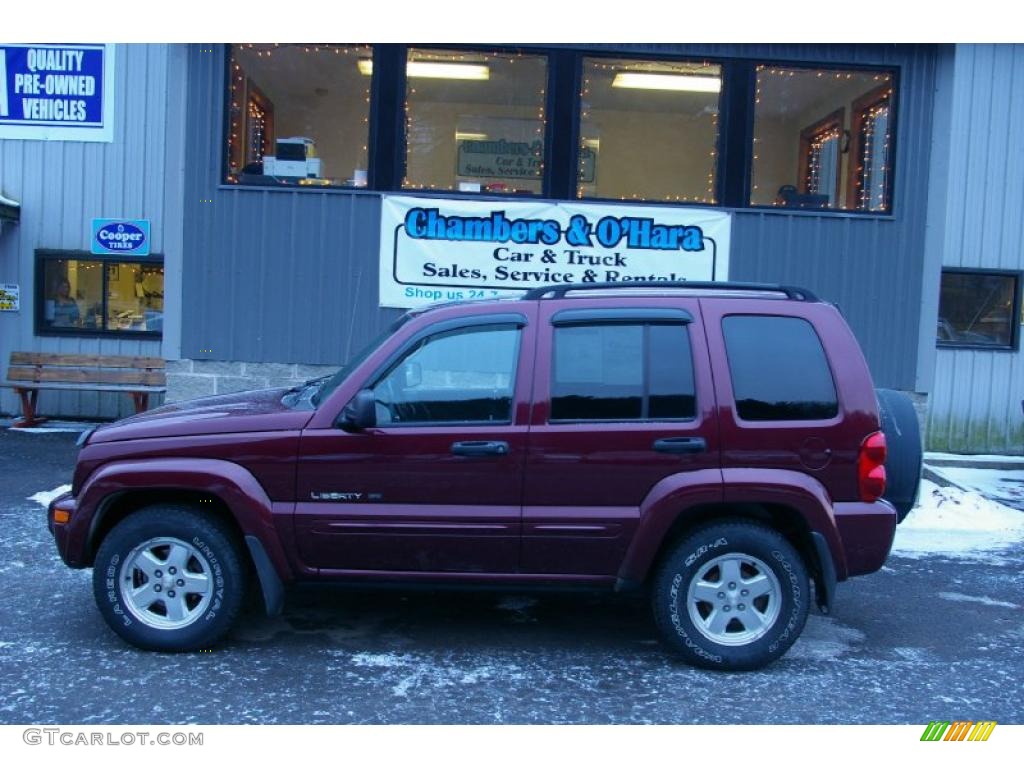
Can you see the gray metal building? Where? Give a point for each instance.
(858, 171)
(61, 185)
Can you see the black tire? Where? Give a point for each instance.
(756, 546)
(205, 546)
(903, 450)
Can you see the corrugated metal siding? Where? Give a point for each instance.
(63, 185)
(975, 405)
(271, 275)
(291, 276)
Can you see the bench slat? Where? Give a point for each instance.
(85, 361)
(83, 387)
(79, 376)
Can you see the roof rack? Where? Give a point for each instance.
(559, 291)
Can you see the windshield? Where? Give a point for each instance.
(334, 381)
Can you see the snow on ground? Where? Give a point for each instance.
(1003, 485)
(50, 425)
(45, 497)
(957, 597)
(957, 523)
(973, 458)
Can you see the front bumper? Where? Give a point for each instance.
(59, 515)
(867, 531)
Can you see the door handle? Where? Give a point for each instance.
(480, 448)
(681, 445)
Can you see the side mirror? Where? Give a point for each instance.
(412, 374)
(360, 413)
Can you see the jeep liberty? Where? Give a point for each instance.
(718, 448)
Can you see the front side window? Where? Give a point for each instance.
(823, 139)
(83, 296)
(622, 373)
(299, 114)
(978, 309)
(779, 369)
(475, 121)
(460, 376)
(649, 130)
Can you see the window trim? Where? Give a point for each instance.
(832, 121)
(734, 166)
(1015, 315)
(42, 255)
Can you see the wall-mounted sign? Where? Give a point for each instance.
(501, 159)
(435, 250)
(127, 236)
(10, 297)
(57, 92)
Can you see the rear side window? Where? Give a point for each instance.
(622, 372)
(779, 370)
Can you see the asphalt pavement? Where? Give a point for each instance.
(920, 640)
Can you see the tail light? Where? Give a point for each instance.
(871, 467)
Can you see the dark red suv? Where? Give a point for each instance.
(715, 446)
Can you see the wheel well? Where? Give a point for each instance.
(786, 520)
(117, 507)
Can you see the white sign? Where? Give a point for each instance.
(10, 297)
(433, 249)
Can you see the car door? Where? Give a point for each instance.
(624, 398)
(436, 485)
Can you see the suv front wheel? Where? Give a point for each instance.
(731, 596)
(168, 578)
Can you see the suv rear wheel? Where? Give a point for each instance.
(168, 578)
(731, 596)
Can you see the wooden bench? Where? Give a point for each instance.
(30, 372)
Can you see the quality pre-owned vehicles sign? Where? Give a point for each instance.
(57, 92)
(434, 249)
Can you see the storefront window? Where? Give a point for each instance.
(978, 309)
(648, 130)
(299, 114)
(822, 139)
(475, 121)
(85, 296)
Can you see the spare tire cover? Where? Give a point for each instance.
(903, 456)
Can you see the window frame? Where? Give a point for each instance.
(1016, 320)
(42, 255)
(735, 149)
(226, 150)
(402, 148)
(893, 70)
(577, 108)
(644, 323)
(855, 180)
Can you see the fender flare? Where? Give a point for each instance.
(669, 499)
(675, 497)
(234, 485)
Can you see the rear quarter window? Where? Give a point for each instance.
(778, 368)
